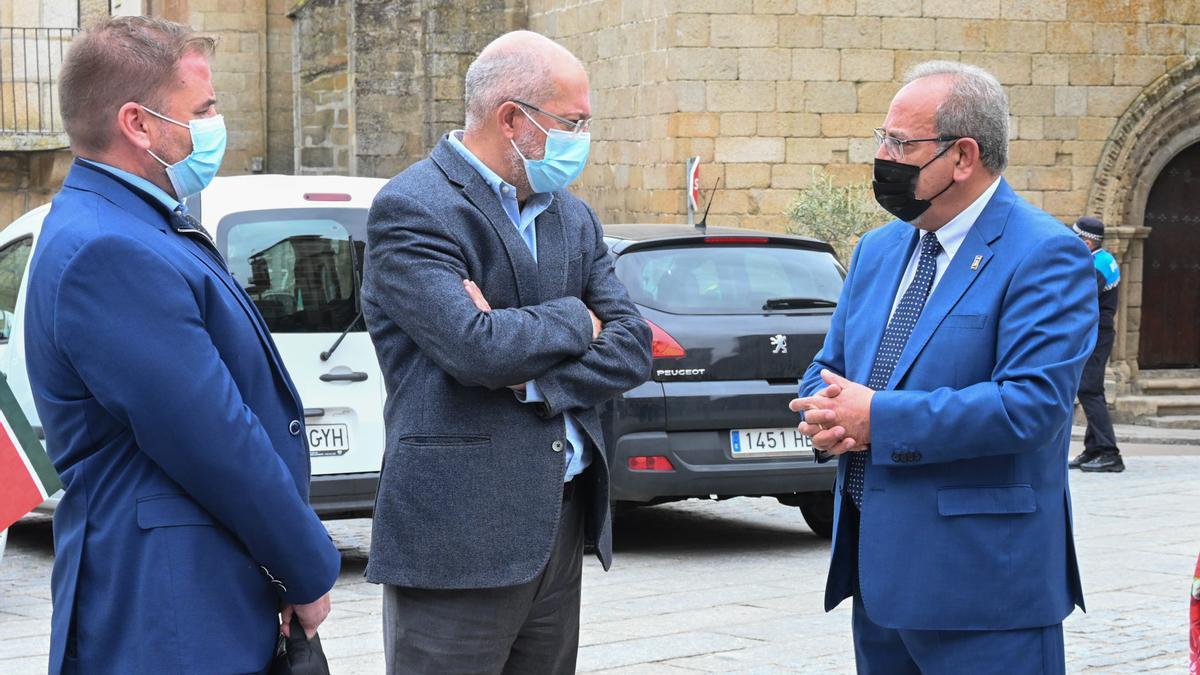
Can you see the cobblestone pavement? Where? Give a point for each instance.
(736, 586)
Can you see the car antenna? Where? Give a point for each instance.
(702, 226)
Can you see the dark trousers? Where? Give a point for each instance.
(530, 628)
(1100, 436)
(889, 651)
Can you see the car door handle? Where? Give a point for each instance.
(314, 412)
(352, 376)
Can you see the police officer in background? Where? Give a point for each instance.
(1100, 451)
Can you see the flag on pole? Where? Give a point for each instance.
(26, 476)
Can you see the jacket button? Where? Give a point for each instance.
(556, 446)
(896, 457)
(295, 427)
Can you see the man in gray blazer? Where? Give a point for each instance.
(500, 327)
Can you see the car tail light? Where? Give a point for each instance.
(735, 240)
(326, 197)
(662, 345)
(650, 463)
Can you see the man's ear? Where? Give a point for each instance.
(505, 115)
(968, 162)
(133, 123)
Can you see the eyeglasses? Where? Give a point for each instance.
(574, 127)
(895, 146)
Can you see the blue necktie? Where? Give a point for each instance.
(895, 337)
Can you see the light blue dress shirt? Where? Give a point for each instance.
(578, 455)
(137, 181)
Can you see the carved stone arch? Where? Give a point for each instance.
(1159, 124)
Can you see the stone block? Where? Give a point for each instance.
(800, 31)
(972, 9)
(867, 65)
(1110, 101)
(1091, 69)
(905, 61)
(731, 201)
(816, 64)
(741, 96)
(739, 124)
(1033, 153)
(1119, 38)
(1095, 128)
(853, 33)
(889, 8)
(744, 31)
(1166, 39)
(1066, 205)
(774, 6)
(1009, 68)
(1049, 178)
(694, 124)
(788, 123)
(1070, 101)
(690, 96)
(710, 6)
(1083, 178)
(828, 7)
(1140, 11)
(1059, 128)
(740, 176)
(830, 97)
(840, 125)
(772, 202)
(764, 64)
(1069, 38)
(749, 150)
(1083, 153)
(1031, 100)
(792, 176)
(1033, 10)
(1138, 70)
(849, 174)
(1016, 36)
(815, 150)
(702, 63)
(908, 33)
(876, 97)
(789, 96)
(961, 34)
(861, 150)
(1050, 68)
(1028, 128)
(689, 30)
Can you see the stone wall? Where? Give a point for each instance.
(766, 91)
(323, 100)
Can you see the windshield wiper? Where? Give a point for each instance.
(798, 303)
(357, 276)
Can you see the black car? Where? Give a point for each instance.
(737, 316)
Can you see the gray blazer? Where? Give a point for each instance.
(471, 486)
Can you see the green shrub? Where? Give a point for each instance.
(838, 214)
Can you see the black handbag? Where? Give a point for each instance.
(299, 655)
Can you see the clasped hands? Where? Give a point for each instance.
(483, 305)
(838, 418)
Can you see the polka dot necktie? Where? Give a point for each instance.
(894, 338)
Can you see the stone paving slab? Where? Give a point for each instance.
(736, 586)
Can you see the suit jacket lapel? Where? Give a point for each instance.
(552, 257)
(525, 268)
(959, 275)
(888, 271)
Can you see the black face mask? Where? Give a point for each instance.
(895, 187)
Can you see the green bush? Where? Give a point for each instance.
(838, 214)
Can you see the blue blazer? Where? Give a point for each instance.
(471, 489)
(966, 521)
(176, 429)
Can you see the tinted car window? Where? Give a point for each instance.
(12, 267)
(715, 279)
(297, 265)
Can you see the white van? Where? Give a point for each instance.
(296, 245)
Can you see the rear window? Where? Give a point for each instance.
(715, 279)
(297, 265)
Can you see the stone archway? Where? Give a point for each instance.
(1157, 126)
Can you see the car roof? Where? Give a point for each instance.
(230, 194)
(631, 234)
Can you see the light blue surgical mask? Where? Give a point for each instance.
(193, 173)
(565, 157)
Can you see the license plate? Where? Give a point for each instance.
(767, 442)
(328, 440)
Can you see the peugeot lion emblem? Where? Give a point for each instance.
(779, 342)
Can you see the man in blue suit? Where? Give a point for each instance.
(500, 327)
(185, 526)
(945, 388)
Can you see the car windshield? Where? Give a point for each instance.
(714, 279)
(296, 265)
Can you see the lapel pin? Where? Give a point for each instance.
(975, 262)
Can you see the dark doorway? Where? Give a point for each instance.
(1170, 330)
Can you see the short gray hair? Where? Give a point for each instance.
(504, 75)
(976, 107)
